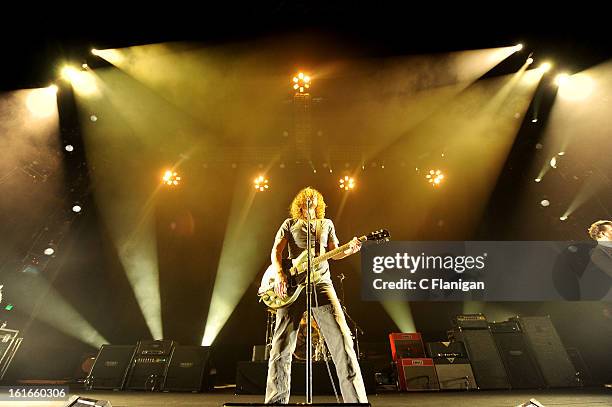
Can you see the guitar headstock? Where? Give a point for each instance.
(379, 235)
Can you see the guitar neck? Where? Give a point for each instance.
(337, 250)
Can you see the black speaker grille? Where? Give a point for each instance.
(548, 350)
(486, 363)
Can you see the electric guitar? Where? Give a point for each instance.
(296, 272)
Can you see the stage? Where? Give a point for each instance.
(557, 397)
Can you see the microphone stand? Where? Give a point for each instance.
(308, 308)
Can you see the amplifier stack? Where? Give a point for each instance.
(520, 353)
(151, 365)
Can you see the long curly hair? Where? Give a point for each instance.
(298, 206)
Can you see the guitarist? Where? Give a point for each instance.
(326, 308)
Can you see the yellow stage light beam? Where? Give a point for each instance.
(49, 306)
(401, 314)
(126, 116)
(237, 266)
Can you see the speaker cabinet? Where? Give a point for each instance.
(548, 350)
(455, 373)
(188, 369)
(109, 370)
(416, 374)
(522, 369)
(486, 363)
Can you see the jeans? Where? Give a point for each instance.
(332, 325)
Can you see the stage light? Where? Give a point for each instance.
(518, 47)
(561, 79)
(562, 218)
(81, 80)
(534, 120)
(545, 202)
(576, 87)
(95, 52)
(93, 118)
(42, 102)
(69, 148)
(538, 179)
(435, 177)
(561, 153)
(76, 208)
(49, 251)
(53, 88)
(347, 183)
(85, 66)
(545, 67)
(529, 61)
(301, 82)
(171, 178)
(553, 162)
(261, 183)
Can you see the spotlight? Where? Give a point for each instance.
(545, 202)
(538, 179)
(171, 178)
(42, 102)
(69, 148)
(561, 153)
(518, 47)
(562, 218)
(301, 82)
(49, 251)
(529, 61)
(261, 183)
(76, 208)
(347, 183)
(534, 120)
(93, 118)
(435, 177)
(85, 66)
(53, 88)
(561, 79)
(545, 67)
(576, 87)
(553, 162)
(69, 73)
(95, 52)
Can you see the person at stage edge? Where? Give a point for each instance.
(326, 307)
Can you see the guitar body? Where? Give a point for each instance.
(295, 270)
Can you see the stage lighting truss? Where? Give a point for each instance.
(435, 177)
(171, 178)
(261, 183)
(301, 83)
(347, 183)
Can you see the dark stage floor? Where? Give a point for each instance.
(588, 397)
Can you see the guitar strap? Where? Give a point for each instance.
(319, 223)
